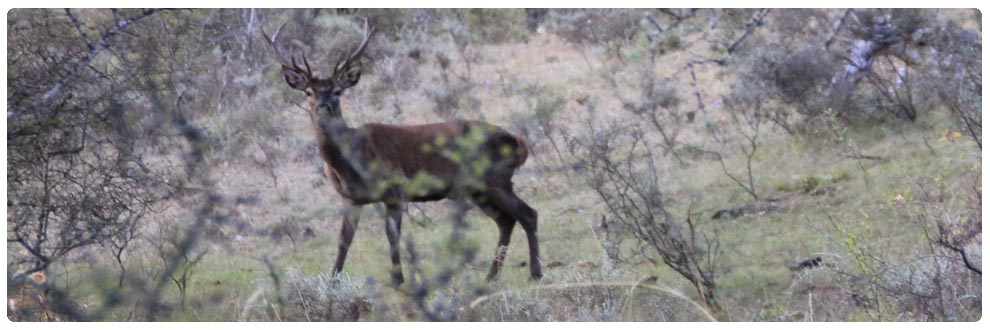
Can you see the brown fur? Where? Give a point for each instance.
(405, 151)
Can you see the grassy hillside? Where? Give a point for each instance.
(860, 205)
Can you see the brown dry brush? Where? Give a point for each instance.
(77, 174)
(621, 168)
(958, 69)
(76, 177)
(952, 235)
(939, 281)
(942, 281)
(747, 117)
(91, 99)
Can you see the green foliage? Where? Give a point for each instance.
(810, 183)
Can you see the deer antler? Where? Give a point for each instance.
(290, 62)
(346, 63)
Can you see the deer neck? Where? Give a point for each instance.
(340, 145)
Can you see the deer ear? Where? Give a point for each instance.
(351, 77)
(294, 78)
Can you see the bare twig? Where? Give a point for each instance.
(55, 91)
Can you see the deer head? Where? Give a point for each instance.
(323, 93)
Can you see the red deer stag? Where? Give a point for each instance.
(381, 163)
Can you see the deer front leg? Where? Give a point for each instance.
(393, 228)
(351, 217)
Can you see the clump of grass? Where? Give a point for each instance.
(325, 297)
(591, 301)
(810, 182)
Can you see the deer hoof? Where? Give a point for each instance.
(397, 279)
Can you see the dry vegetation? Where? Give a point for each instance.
(687, 165)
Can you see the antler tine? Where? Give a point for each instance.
(309, 71)
(295, 66)
(271, 42)
(368, 30)
(289, 62)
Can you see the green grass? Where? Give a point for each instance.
(757, 250)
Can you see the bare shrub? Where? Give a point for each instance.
(452, 97)
(746, 121)
(801, 25)
(956, 229)
(492, 25)
(610, 29)
(943, 282)
(938, 280)
(545, 103)
(658, 104)
(170, 248)
(747, 109)
(958, 71)
(76, 173)
(624, 174)
(396, 74)
(801, 76)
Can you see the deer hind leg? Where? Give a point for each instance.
(351, 217)
(393, 228)
(505, 225)
(508, 203)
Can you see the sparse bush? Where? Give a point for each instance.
(173, 252)
(494, 25)
(959, 75)
(937, 280)
(545, 103)
(730, 27)
(395, 75)
(748, 108)
(452, 97)
(658, 104)
(624, 173)
(325, 298)
(801, 26)
(77, 170)
(800, 76)
(610, 28)
(875, 66)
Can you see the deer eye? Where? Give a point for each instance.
(309, 93)
(337, 92)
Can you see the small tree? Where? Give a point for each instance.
(75, 173)
(624, 174)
